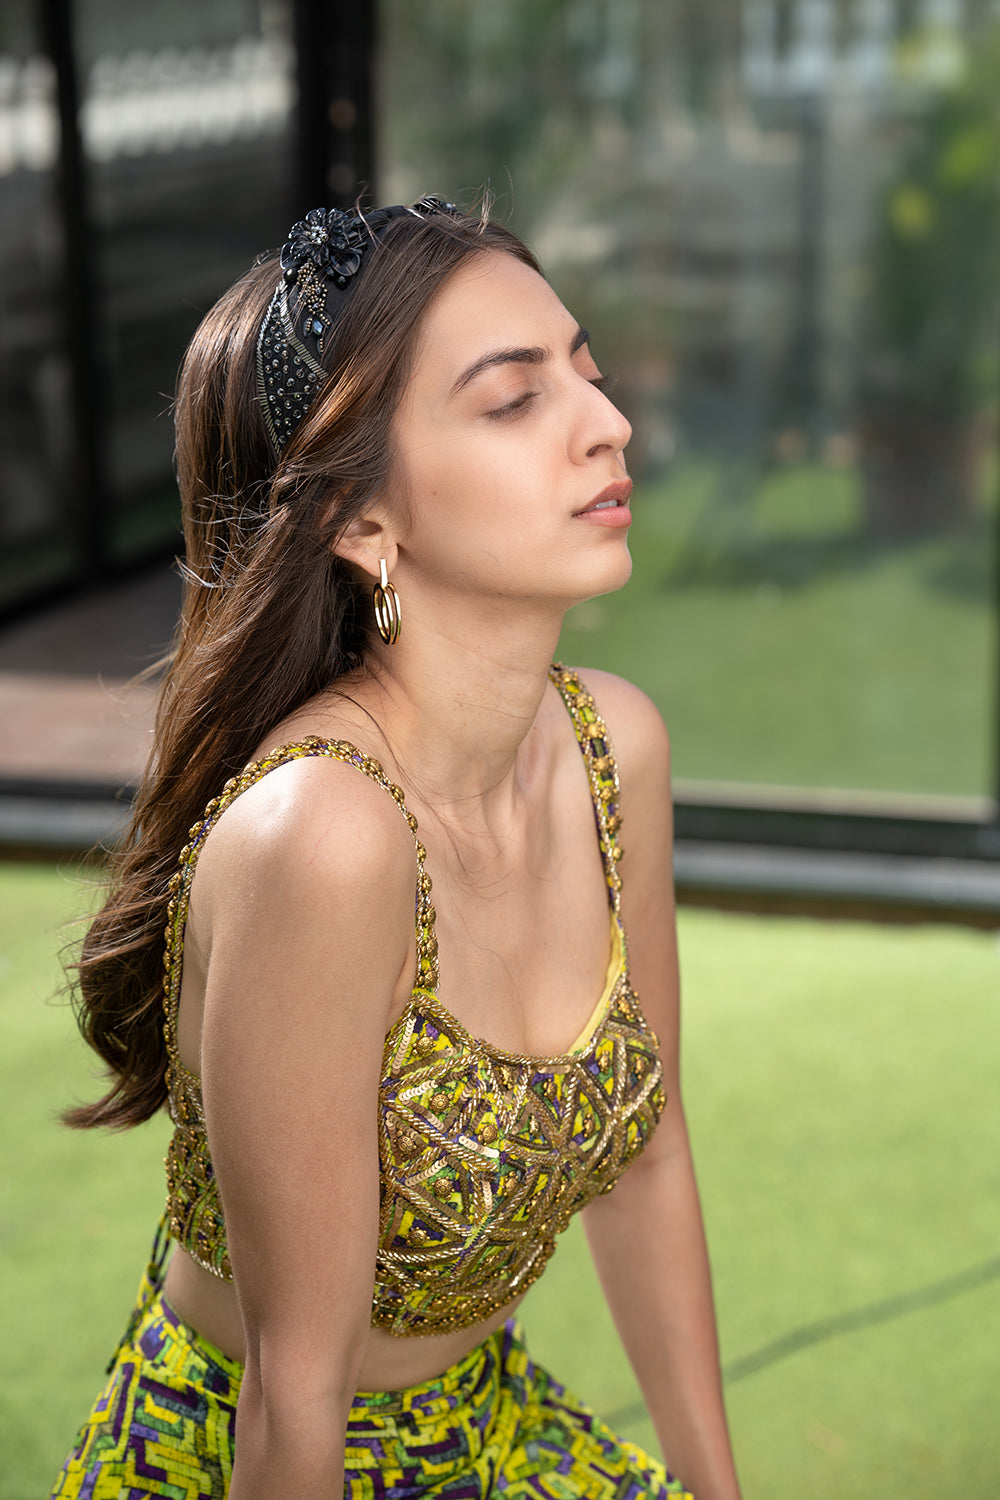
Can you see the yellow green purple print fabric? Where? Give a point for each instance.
(494, 1424)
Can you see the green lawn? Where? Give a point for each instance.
(841, 1084)
(784, 647)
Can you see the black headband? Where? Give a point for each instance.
(322, 254)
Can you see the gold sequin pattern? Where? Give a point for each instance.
(193, 1203)
(484, 1154)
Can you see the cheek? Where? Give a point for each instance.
(473, 481)
(462, 478)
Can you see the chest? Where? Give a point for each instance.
(524, 937)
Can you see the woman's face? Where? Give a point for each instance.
(505, 444)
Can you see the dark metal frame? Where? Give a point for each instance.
(86, 507)
(335, 52)
(854, 832)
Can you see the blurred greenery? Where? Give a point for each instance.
(799, 293)
(929, 357)
(785, 646)
(840, 1085)
(935, 276)
(443, 51)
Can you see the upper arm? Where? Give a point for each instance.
(308, 898)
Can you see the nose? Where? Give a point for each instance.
(603, 427)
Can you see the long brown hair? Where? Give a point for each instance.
(271, 615)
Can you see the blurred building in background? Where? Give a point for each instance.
(780, 220)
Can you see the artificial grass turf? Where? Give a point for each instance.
(841, 1090)
(77, 1209)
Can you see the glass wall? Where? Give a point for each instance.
(781, 223)
(186, 129)
(34, 374)
(181, 173)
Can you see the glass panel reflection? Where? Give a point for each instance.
(780, 222)
(34, 548)
(186, 127)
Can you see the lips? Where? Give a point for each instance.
(610, 498)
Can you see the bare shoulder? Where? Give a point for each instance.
(307, 830)
(638, 734)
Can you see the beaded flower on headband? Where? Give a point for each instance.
(319, 260)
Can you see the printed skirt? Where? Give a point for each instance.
(494, 1423)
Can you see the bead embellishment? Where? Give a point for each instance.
(319, 261)
(484, 1154)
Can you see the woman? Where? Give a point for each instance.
(381, 1124)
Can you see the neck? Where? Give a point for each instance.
(457, 704)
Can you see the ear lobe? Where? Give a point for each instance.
(363, 541)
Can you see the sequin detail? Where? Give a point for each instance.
(484, 1154)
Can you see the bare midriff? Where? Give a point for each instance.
(209, 1306)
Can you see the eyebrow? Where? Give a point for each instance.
(529, 356)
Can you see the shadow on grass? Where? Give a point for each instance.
(885, 1311)
(966, 567)
(959, 566)
(792, 562)
(734, 538)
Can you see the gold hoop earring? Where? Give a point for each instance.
(388, 611)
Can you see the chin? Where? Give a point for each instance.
(616, 573)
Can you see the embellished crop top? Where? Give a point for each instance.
(484, 1155)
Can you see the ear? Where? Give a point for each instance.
(365, 540)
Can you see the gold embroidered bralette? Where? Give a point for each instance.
(484, 1154)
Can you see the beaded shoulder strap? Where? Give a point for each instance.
(602, 772)
(180, 884)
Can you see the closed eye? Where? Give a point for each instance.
(511, 409)
(604, 383)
